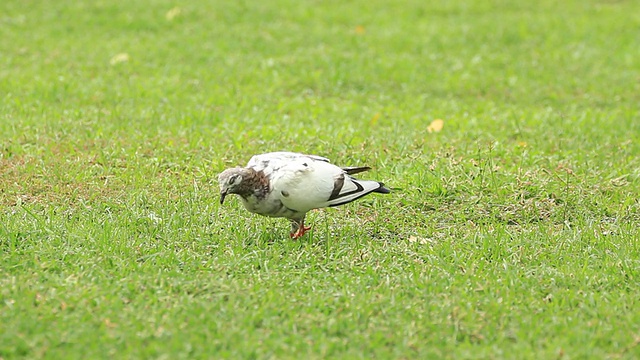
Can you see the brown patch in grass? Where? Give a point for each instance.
(70, 174)
(27, 179)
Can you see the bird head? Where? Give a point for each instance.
(230, 182)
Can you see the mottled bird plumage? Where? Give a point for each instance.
(286, 184)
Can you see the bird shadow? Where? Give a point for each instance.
(276, 236)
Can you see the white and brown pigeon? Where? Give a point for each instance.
(287, 184)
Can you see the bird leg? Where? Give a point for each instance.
(298, 229)
(300, 232)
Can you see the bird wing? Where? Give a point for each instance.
(273, 161)
(303, 185)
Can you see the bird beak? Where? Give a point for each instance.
(222, 196)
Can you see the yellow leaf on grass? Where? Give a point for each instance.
(173, 13)
(435, 126)
(119, 58)
(109, 324)
(374, 119)
(360, 30)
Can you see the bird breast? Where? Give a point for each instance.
(270, 206)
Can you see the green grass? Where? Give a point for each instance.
(512, 233)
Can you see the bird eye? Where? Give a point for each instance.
(234, 179)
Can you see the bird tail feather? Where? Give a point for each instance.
(364, 187)
(355, 169)
(382, 189)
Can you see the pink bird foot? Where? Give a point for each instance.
(301, 231)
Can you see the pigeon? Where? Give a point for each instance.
(288, 185)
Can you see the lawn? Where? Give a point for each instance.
(512, 232)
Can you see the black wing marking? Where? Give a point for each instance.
(337, 187)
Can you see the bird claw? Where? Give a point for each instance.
(300, 232)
